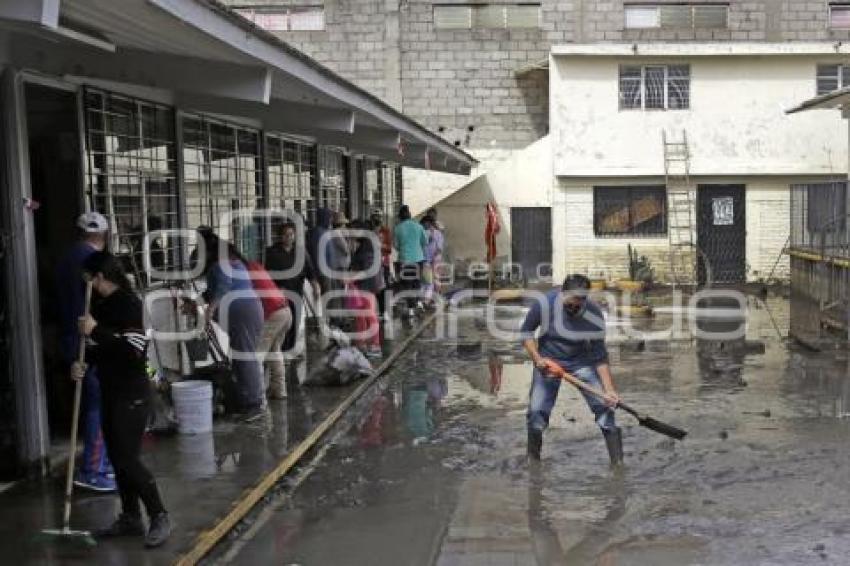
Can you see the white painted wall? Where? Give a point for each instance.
(422, 188)
(525, 179)
(736, 124)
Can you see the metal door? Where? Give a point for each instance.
(531, 241)
(721, 233)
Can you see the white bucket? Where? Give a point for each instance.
(192, 406)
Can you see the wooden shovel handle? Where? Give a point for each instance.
(557, 371)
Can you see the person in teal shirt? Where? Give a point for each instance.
(410, 240)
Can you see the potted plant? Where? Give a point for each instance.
(641, 276)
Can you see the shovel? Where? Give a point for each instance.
(643, 420)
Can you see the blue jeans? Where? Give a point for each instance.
(544, 393)
(95, 459)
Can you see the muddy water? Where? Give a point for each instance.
(435, 474)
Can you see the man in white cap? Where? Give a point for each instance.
(95, 472)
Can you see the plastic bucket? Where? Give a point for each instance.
(193, 406)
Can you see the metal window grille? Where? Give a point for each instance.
(678, 87)
(333, 188)
(293, 176)
(631, 79)
(653, 87)
(390, 191)
(130, 173)
(630, 211)
(370, 184)
(819, 217)
(839, 16)
(820, 286)
(222, 173)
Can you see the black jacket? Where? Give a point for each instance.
(118, 346)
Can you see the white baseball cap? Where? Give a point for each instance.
(92, 223)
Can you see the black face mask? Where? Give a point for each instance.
(574, 309)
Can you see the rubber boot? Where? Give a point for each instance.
(535, 444)
(614, 443)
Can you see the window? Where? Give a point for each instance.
(839, 16)
(832, 77)
(333, 173)
(222, 174)
(486, 16)
(285, 18)
(655, 87)
(292, 171)
(130, 171)
(677, 16)
(629, 211)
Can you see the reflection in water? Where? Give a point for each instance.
(545, 542)
(420, 405)
(196, 455)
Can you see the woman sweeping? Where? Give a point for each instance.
(118, 347)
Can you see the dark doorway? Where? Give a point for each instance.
(55, 177)
(722, 233)
(531, 241)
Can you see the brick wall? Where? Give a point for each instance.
(767, 218)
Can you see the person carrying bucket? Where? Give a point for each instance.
(118, 347)
(572, 336)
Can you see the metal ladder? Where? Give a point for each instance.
(680, 210)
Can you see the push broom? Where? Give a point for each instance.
(66, 532)
(644, 420)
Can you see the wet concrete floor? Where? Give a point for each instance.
(200, 476)
(434, 472)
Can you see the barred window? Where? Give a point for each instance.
(655, 87)
(390, 191)
(487, 16)
(130, 173)
(630, 211)
(333, 177)
(677, 16)
(832, 77)
(284, 18)
(292, 173)
(223, 176)
(368, 177)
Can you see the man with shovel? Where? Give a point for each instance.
(571, 338)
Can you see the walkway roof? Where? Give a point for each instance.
(215, 61)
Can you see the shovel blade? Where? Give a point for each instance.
(663, 428)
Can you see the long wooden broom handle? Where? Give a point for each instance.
(78, 390)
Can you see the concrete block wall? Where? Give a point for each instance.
(453, 79)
